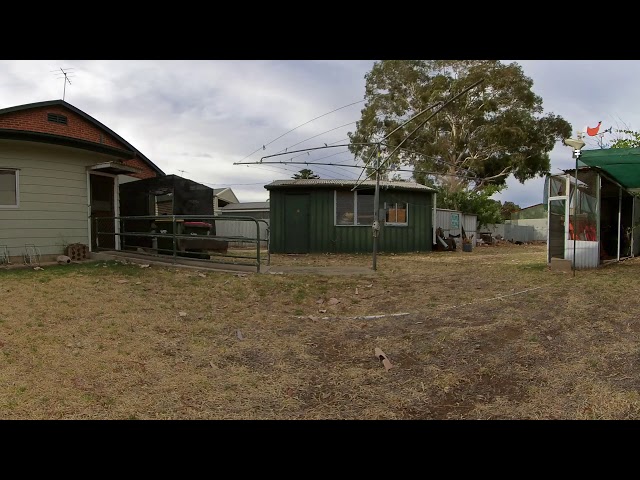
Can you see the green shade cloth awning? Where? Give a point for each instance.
(620, 164)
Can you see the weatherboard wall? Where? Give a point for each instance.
(326, 237)
(53, 199)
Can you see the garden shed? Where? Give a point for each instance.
(329, 216)
(600, 220)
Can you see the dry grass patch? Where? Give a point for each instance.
(113, 341)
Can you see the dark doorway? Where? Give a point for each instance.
(102, 205)
(296, 224)
(557, 235)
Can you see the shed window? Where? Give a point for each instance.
(9, 193)
(354, 208)
(396, 213)
(57, 118)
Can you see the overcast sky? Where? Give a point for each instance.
(196, 118)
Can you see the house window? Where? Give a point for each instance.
(354, 208)
(9, 193)
(57, 118)
(396, 213)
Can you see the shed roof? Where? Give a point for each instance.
(247, 206)
(328, 183)
(621, 164)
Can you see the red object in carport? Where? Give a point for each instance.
(197, 224)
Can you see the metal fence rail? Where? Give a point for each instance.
(190, 236)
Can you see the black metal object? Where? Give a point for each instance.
(171, 194)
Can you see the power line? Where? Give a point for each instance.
(314, 136)
(302, 150)
(441, 106)
(301, 125)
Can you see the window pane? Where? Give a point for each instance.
(557, 186)
(344, 208)
(7, 187)
(365, 208)
(397, 213)
(391, 214)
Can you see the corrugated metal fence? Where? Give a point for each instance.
(451, 220)
(240, 228)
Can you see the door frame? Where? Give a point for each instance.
(116, 207)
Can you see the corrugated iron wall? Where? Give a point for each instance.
(326, 237)
(468, 220)
(470, 224)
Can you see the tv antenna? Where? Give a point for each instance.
(182, 172)
(65, 73)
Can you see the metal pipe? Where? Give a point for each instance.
(575, 211)
(258, 246)
(633, 223)
(376, 207)
(619, 218)
(598, 212)
(175, 250)
(97, 236)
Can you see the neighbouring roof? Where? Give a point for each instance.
(225, 194)
(321, 182)
(247, 206)
(530, 206)
(84, 115)
(620, 164)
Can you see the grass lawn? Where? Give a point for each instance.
(487, 334)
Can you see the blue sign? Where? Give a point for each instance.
(455, 220)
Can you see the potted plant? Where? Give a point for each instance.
(467, 246)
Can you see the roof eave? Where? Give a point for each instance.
(27, 136)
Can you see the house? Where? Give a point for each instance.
(59, 169)
(322, 215)
(221, 198)
(600, 223)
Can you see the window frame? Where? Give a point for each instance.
(355, 212)
(16, 171)
(387, 206)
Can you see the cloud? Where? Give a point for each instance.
(202, 116)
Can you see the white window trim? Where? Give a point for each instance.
(396, 224)
(17, 205)
(355, 211)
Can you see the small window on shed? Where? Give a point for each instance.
(57, 118)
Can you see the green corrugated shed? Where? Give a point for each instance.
(302, 218)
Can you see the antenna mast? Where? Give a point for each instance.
(66, 74)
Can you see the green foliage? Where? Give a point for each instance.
(630, 139)
(507, 209)
(305, 173)
(472, 201)
(494, 130)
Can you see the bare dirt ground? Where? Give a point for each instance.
(491, 334)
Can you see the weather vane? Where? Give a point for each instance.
(66, 73)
